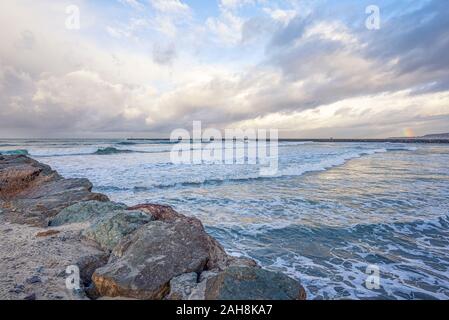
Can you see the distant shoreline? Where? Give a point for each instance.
(341, 140)
(391, 140)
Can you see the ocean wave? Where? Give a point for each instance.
(405, 251)
(149, 141)
(15, 152)
(99, 151)
(326, 164)
(137, 147)
(111, 150)
(292, 144)
(402, 148)
(126, 143)
(297, 170)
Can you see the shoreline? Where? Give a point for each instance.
(387, 140)
(324, 140)
(148, 252)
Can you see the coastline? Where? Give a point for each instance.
(387, 140)
(149, 251)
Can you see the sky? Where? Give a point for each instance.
(142, 68)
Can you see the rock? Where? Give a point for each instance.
(85, 211)
(30, 297)
(33, 279)
(181, 287)
(242, 262)
(143, 263)
(236, 283)
(108, 230)
(18, 288)
(88, 264)
(47, 233)
(245, 283)
(32, 192)
(162, 213)
(19, 173)
(218, 258)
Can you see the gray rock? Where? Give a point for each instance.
(218, 258)
(236, 283)
(30, 297)
(85, 211)
(182, 287)
(143, 263)
(88, 264)
(18, 288)
(248, 283)
(187, 287)
(33, 279)
(108, 230)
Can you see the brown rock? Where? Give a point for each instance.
(47, 233)
(19, 173)
(31, 192)
(165, 213)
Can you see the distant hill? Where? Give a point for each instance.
(436, 136)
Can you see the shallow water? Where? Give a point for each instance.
(332, 210)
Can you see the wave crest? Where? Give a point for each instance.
(111, 150)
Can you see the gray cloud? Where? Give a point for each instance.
(164, 54)
(57, 85)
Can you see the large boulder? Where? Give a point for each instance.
(20, 173)
(236, 283)
(245, 283)
(218, 258)
(108, 230)
(144, 262)
(32, 193)
(184, 287)
(85, 211)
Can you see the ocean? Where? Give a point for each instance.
(331, 213)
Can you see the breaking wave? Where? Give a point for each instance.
(15, 152)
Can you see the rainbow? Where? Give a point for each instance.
(408, 132)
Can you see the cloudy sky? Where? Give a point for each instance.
(141, 68)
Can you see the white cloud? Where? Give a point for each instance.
(132, 3)
(235, 4)
(226, 29)
(334, 31)
(170, 6)
(392, 112)
(279, 15)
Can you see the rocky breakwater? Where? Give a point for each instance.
(144, 252)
